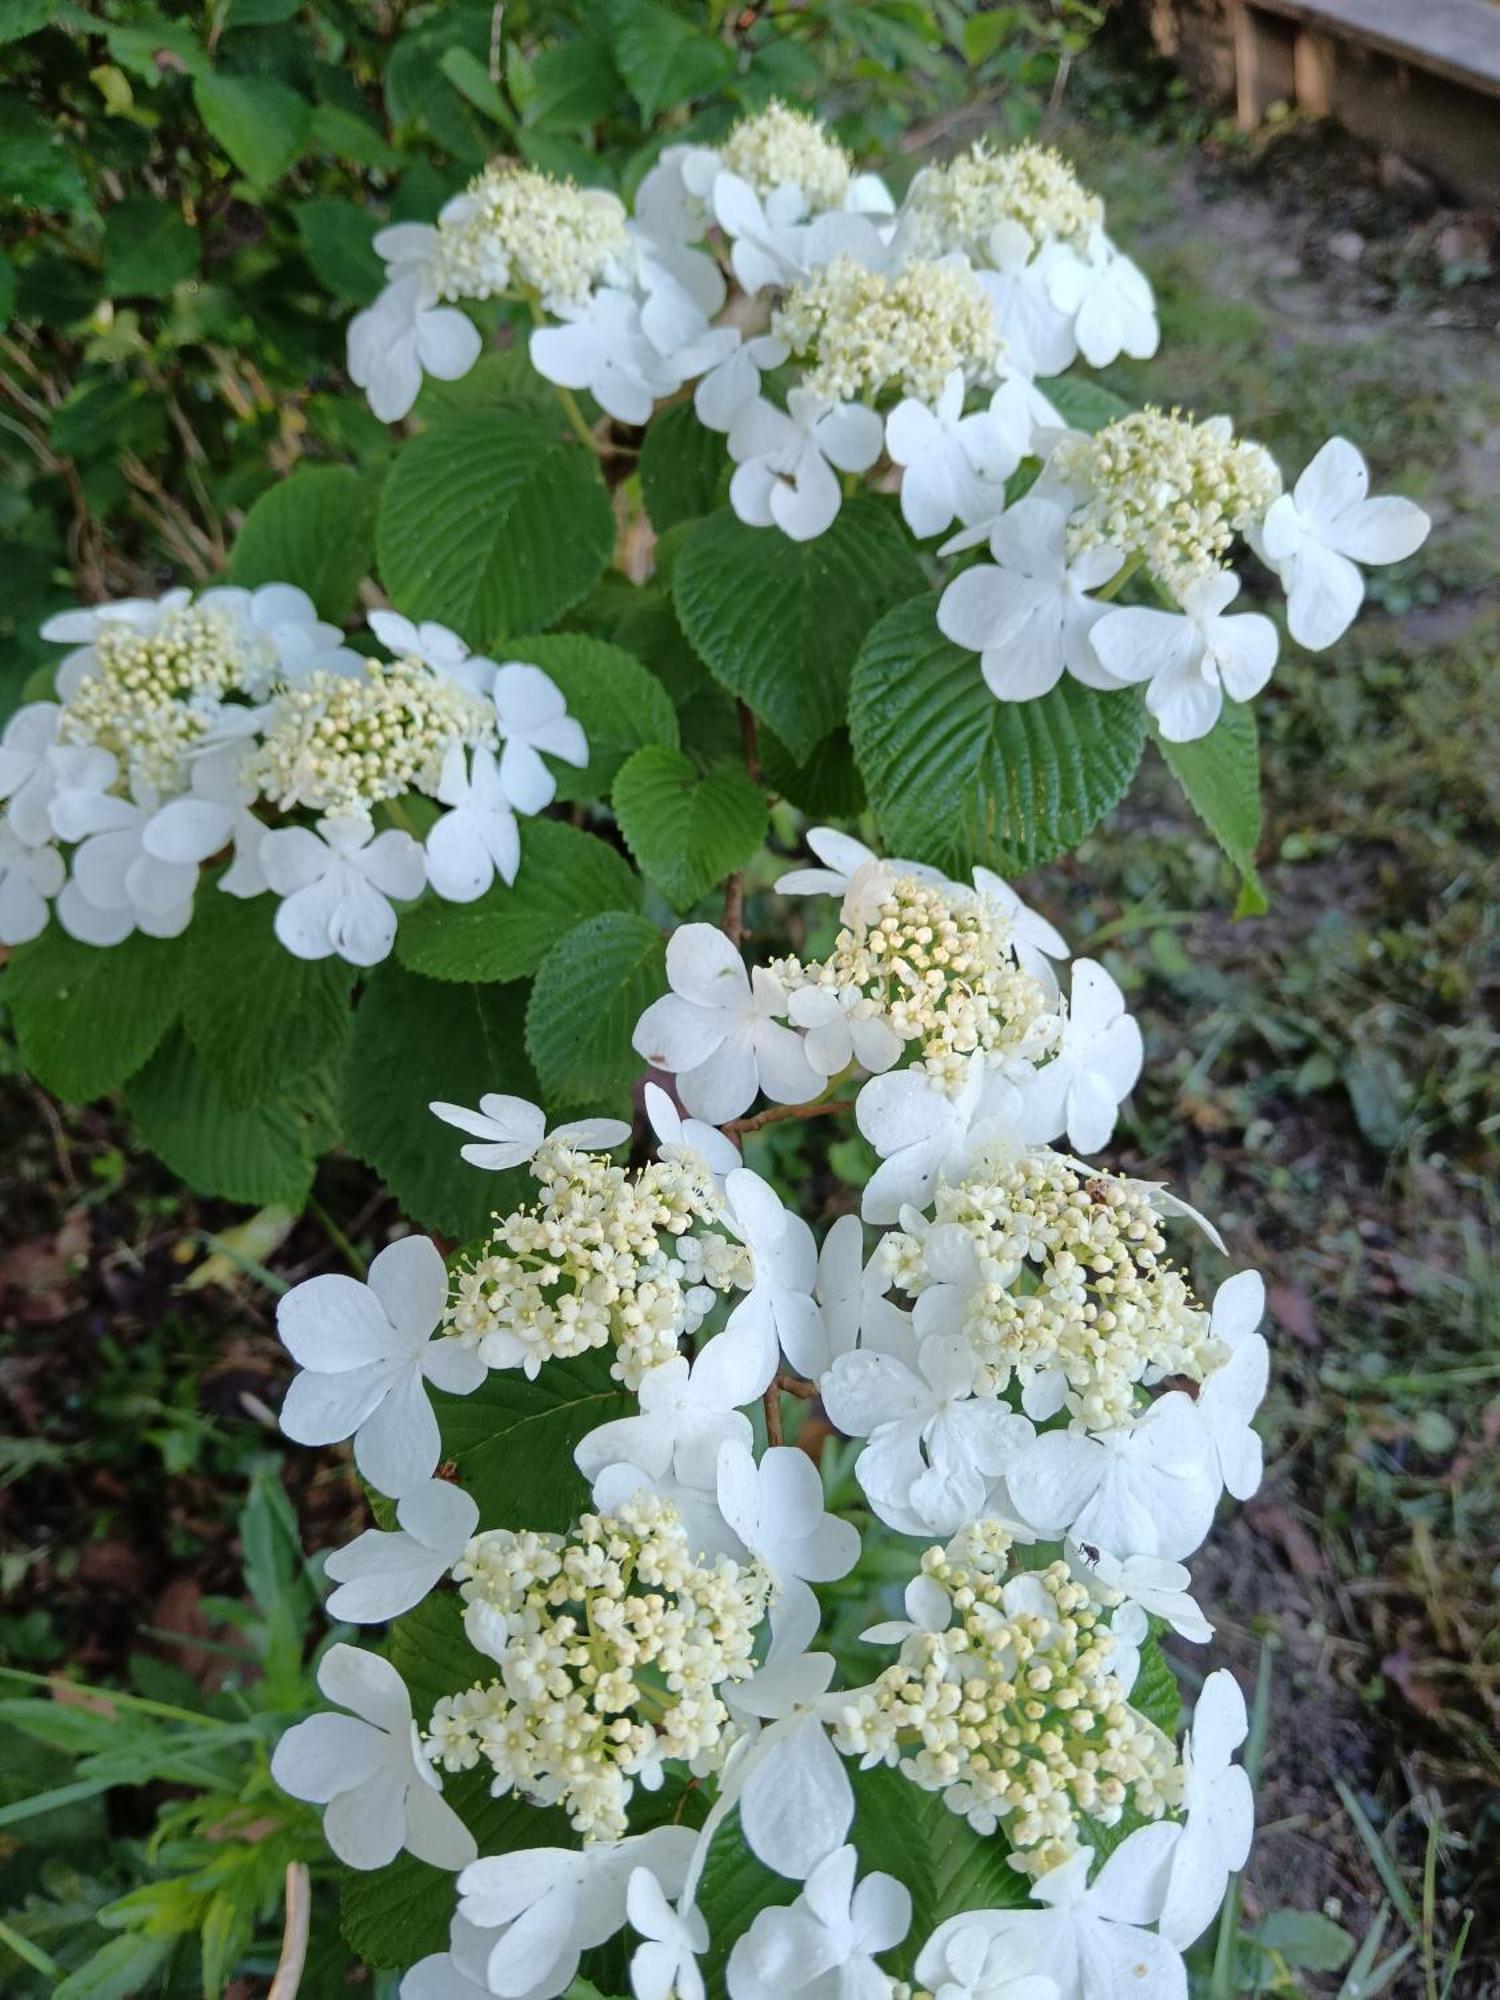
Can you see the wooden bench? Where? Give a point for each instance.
(1420, 76)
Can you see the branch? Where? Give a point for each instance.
(778, 1113)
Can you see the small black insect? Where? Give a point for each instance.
(1090, 1553)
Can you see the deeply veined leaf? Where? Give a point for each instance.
(619, 704)
(1156, 1693)
(734, 1889)
(315, 529)
(513, 1440)
(590, 990)
(493, 524)
(779, 622)
(417, 1041)
(1220, 778)
(826, 786)
(262, 125)
(665, 57)
(687, 831)
(87, 1017)
(682, 463)
(255, 1154)
(565, 876)
(1085, 405)
(958, 777)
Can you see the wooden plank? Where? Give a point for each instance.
(1453, 38)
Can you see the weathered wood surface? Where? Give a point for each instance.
(1454, 38)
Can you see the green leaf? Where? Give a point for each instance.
(1305, 1938)
(826, 786)
(472, 80)
(493, 525)
(1156, 1693)
(590, 991)
(956, 777)
(260, 1018)
(620, 705)
(336, 239)
(779, 622)
(315, 528)
(118, 1970)
(565, 876)
(416, 1041)
(681, 465)
(347, 136)
(257, 1155)
(262, 125)
(504, 376)
(733, 1891)
(513, 1440)
(86, 1018)
(687, 832)
(1085, 405)
(1220, 778)
(664, 58)
(20, 18)
(148, 248)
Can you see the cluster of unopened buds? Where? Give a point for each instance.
(1046, 1416)
(832, 333)
(237, 728)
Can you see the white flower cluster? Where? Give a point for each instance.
(190, 728)
(1043, 1406)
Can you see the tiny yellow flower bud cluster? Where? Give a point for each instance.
(515, 227)
(935, 963)
(1102, 1300)
(956, 205)
(870, 334)
(1167, 489)
(778, 146)
(615, 1642)
(607, 1258)
(1014, 1713)
(336, 743)
(152, 695)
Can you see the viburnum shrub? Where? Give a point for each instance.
(764, 490)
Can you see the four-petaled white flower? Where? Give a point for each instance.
(1215, 1840)
(117, 885)
(477, 838)
(457, 1973)
(852, 1297)
(366, 1352)
(680, 1138)
(1189, 659)
(721, 1030)
(733, 384)
(841, 1027)
(1316, 536)
(665, 1967)
(776, 1508)
(1038, 333)
(604, 348)
(827, 1941)
(778, 1310)
(367, 1768)
(953, 467)
(30, 876)
(1035, 942)
(1093, 1070)
(767, 240)
(403, 336)
(936, 1450)
(28, 773)
(546, 1906)
(846, 862)
(1109, 301)
(1156, 1585)
(924, 1134)
(1089, 1935)
(380, 1575)
(787, 461)
(436, 646)
(510, 1131)
(1234, 1391)
(1030, 619)
(687, 1412)
(964, 1962)
(336, 884)
(532, 716)
(287, 638)
(1146, 1488)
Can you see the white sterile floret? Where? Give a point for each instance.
(455, 1974)
(27, 773)
(963, 1962)
(1163, 488)
(336, 885)
(366, 1352)
(679, 1138)
(767, 239)
(436, 646)
(1036, 943)
(1094, 1067)
(1316, 536)
(381, 1575)
(1038, 334)
(775, 1506)
(511, 1131)
(1215, 1840)
(787, 460)
(936, 1450)
(1029, 616)
(1015, 1706)
(827, 1941)
(842, 858)
(613, 1645)
(926, 1133)
(603, 347)
(213, 814)
(665, 1966)
(1091, 1936)
(531, 717)
(477, 838)
(1144, 1488)
(402, 337)
(953, 467)
(367, 1769)
(284, 637)
(545, 1906)
(1109, 301)
(778, 1312)
(1233, 1392)
(30, 876)
(733, 383)
(721, 1031)
(1190, 659)
(118, 885)
(863, 334)
(687, 1412)
(852, 1298)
